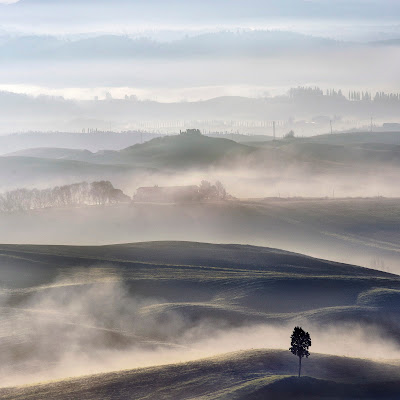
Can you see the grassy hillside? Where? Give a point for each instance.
(292, 388)
(54, 153)
(230, 282)
(186, 150)
(335, 153)
(275, 168)
(391, 138)
(359, 231)
(153, 309)
(252, 375)
(168, 151)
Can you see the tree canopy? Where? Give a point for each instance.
(300, 343)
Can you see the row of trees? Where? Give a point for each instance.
(84, 193)
(311, 92)
(102, 193)
(306, 91)
(380, 97)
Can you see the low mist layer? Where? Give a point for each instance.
(79, 327)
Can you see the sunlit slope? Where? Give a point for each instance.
(243, 375)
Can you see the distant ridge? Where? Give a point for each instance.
(218, 44)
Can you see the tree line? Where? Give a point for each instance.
(95, 193)
(84, 193)
(365, 96)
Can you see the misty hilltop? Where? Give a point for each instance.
(185, 150)
(329, 152)
(219, 44)
(306, 110)
(213, 45)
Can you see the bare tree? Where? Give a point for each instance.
(62, 196)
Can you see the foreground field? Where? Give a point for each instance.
(153, 309)
(248, 375)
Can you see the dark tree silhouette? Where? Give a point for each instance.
(301, 341)
(289, 135)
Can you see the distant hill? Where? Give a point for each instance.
(388, 42)
(189, 151)
(339, 150)
(219, 44)
(54, 153)
(318, 155)
(390, 138)
(90, 141)
(241, 138)
(365, 153)
(186, 151)
(49, 113)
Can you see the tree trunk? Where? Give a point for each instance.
(299, 367)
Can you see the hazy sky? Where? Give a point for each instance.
(184, 76)
(190, 13)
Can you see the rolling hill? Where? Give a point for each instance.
(165, 320)
(361, 231)
(187, 151)
(349, 138)
(252, 375)
(174, 152)
(366, 153)
(93, 142)
(319, 153)
(216, 44)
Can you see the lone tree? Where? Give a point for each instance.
(301, 341)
